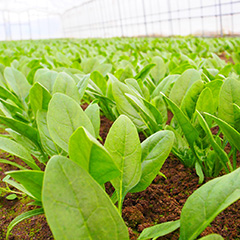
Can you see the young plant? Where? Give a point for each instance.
(200, 209)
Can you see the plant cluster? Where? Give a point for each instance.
(136, 83)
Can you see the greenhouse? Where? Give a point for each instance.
(119, 119)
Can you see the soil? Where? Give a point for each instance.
(162, 201)
(226, 58)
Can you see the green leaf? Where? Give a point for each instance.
(87, 152)
(66, 85)
(82, 85)
(207, 202)
(123, 144)
(155, 150)
(76, 207)
(46, 78)
(222, 156)
(145, 113)
(64, 117)
(18, 150)
(6, 94)
(46, 140)
(22, 128)
(189, 101)
(93, 113)
(5, 161)
(123, 105)
(165, 86)
(231, 134)
(229, 95)
(100, 81)
(11, 196)
(215, 87)
(144, 72)
(159, 230)
(31, 180)
(17, 82)
(182, 84)
(22, 217)
(212, 237)
(159, 70)
(189, 131)
(39, 97)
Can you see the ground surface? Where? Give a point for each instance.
(162, 201)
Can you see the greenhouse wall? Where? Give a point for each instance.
(122, 18)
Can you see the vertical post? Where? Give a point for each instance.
(220, 17)
(145, 18)
(29, 25)
(5, 25)
(202, 21)
(19, 25)
(170, 17)
(9, 27)
(120, 17)
(102, 19)
(159, 12)
(232, 32)
(190, 18)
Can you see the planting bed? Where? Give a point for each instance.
(162, 201)
(148, 125)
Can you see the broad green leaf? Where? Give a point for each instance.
(182, 84)
(18, 150)
(207, 202)
(155, 150)
(165, 86)
(123, 144)
(39, 97)
(159, 230)
(189, 101)
(215, 87)
(231, 134)
(123, 105)
(104, 68)
(133, 84)
(6, 94)
(189, 131)
(146, 115)
(22, 217)
(144, 72)
(158, 72)
(89, 64)
(229, 95)
(123, 74)
(5, 161)
(222, 156)
(76, 207)
(17, 82)
(47, 78)
(93, 113)
(205, 102)
(31, 180)
(45, 138)
(87, 152)
(22, 128)
(82, 85)
(99, 80)
(66, 85)
(212, 237)
(64, 117)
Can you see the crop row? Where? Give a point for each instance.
(137, 83)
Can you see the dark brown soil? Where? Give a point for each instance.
(227, 59)
(162, 201)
